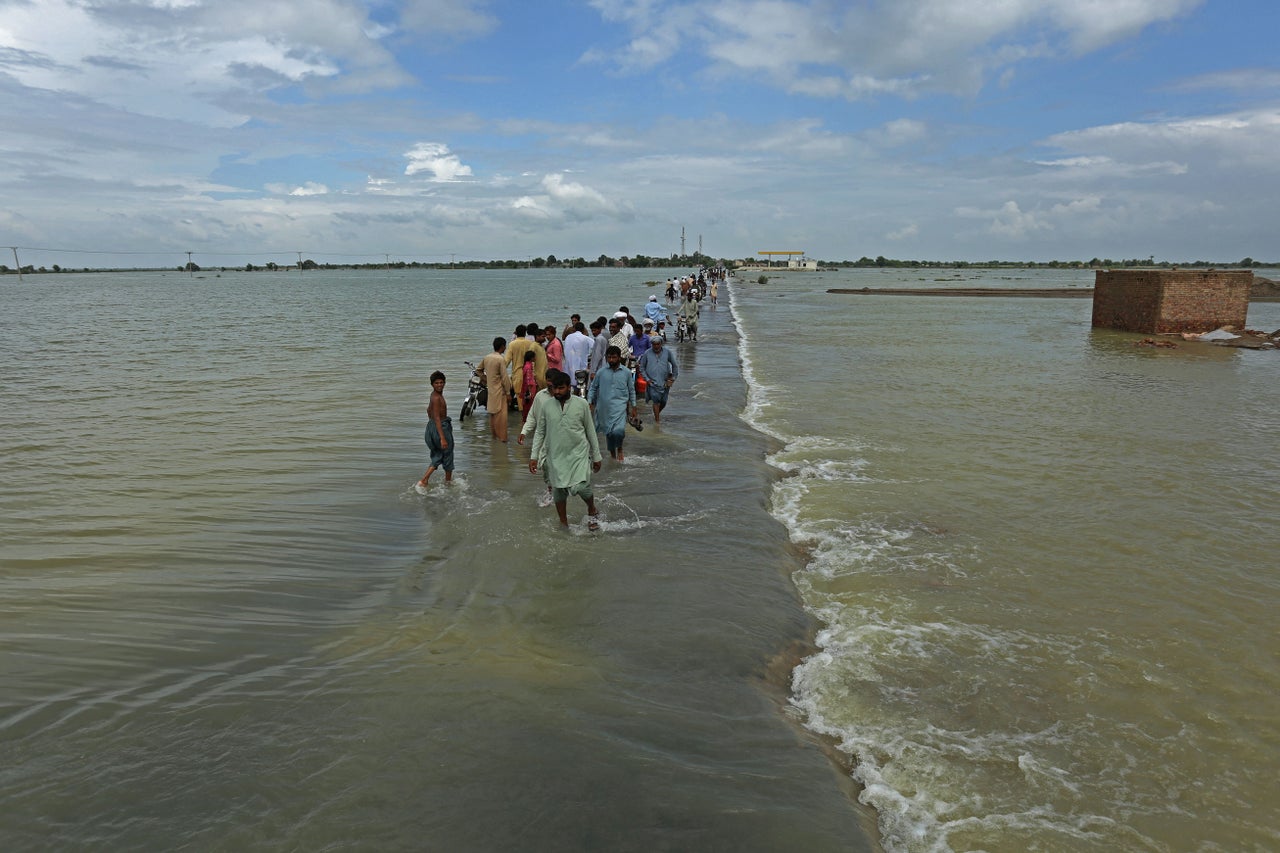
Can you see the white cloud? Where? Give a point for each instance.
(869, 49)
(1079, 216)
(801, 138)
(185, 59)
(309, 188)
(146, 121)
(1218, 141)
(660, 29)
(1009, 220)
(573, 194)
(434, 159)
(1239, 79)
(859, 87)
(457, 18)
(528, 207)
(902, 131)
(1091, 24)
(559, 204)
(1078, 207)
(1105, 167)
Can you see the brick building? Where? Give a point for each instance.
(1160, 301)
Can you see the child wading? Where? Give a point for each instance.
(439, 433)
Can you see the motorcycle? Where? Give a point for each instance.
(685, 332)
(477, 392)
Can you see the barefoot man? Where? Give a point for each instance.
(613, 399)
(499, 384)
(565, 442)
(439, 434)
(659, 369)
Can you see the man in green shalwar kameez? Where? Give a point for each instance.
(565, 442)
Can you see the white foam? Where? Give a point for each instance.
(635, 460)
(866, 687)
(624, 519)
(804, 443)
(831, 470)
(757, 396)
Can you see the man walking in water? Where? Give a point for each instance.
(565, 443)
(613, 397)
(659, 369)
(498, 381)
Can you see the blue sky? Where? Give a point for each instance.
(248, 131)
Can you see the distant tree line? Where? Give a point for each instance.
(694, 260)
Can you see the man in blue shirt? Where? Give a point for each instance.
(653, 310)
(640, 340)
(659, 369)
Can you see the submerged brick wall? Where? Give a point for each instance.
(1158, 301)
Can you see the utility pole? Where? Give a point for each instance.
(681, 244)
(699, 244)
(190, 272)
(17, 263)
(299, 263)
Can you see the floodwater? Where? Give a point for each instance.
(1037, 562)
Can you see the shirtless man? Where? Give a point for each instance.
(439, 434)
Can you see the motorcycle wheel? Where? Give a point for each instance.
(468, 407)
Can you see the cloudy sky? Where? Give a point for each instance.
(250, 130)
